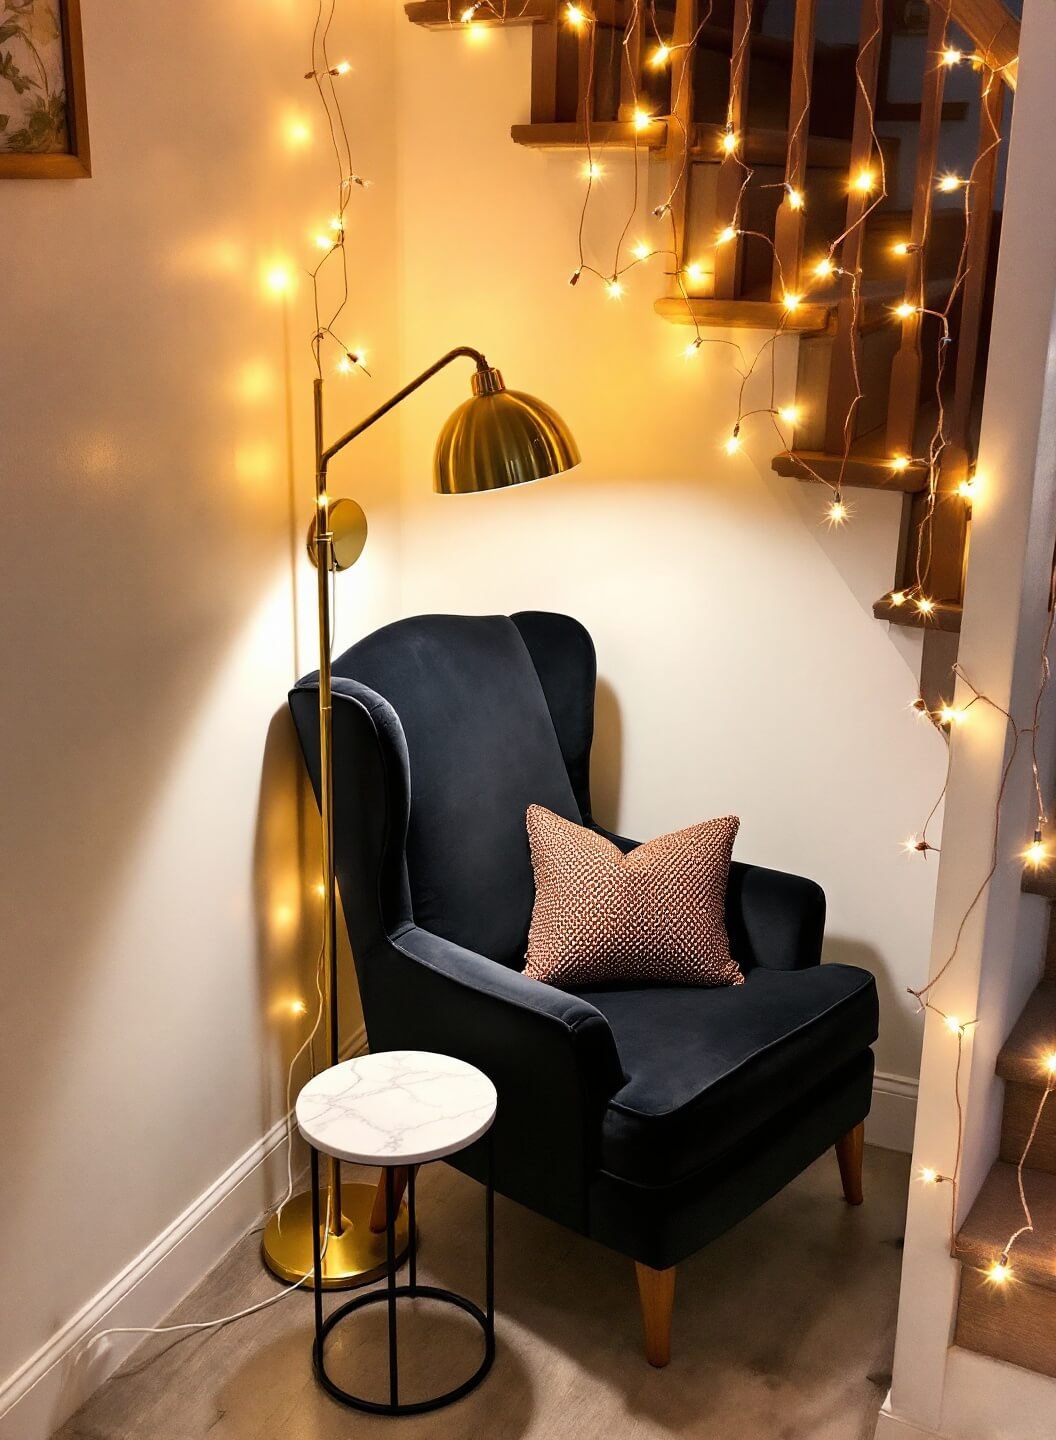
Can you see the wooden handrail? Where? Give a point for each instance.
(991, 27)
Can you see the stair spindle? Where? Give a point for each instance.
(544, 71)
(680, 127)
(729, 256)
(631, 61)
(790, 225)
(904, 394)
(846, 353)
(980, 201)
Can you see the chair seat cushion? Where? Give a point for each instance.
(705, 1068)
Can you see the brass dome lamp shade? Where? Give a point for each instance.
(497, 438)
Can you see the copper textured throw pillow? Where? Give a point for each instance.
(655, 916)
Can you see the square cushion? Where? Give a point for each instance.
(705, 1068)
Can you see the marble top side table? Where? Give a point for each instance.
(399, 1108)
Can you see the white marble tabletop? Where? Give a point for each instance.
(398, 1107)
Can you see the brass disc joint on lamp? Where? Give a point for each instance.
(496, 438)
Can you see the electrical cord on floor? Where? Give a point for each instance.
(272, 1299)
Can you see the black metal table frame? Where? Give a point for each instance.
(412, 1290)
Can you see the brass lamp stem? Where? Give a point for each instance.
(324, 540)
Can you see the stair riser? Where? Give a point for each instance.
(1016, 1323)
(1021, 1106)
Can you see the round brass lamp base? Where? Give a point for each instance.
(355, 1257)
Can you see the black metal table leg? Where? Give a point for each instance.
(489, 1247)
(390, 1235)
(390, 1292)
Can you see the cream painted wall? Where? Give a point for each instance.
(742, 669)
(155, 463)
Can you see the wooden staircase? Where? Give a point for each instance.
(767, 115)
(1015, 1320)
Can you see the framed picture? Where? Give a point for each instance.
(43, 115)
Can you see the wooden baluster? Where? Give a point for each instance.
(973, 294)
(728, 257)
(544, 71)
(949, 524)
(904, 394)
(680, 127)
(839, 419)
(586, 57)
(790, 225)
(631, 60)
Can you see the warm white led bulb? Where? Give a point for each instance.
(864, 182)
(952, 57)
(641, 251)
(789, 414)
(642, 118)
(660, 56)
(729, 142)
(795, 198)
(949, 183)
(695, 271)
(726, 235)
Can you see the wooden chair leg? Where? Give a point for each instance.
(656, 1291)
(399, 1185)
(849, 1152)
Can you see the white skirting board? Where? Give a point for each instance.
(50, 1386)
(54, 1382)
(894, 1113)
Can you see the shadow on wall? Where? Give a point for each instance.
(606, 757)
(288, 909)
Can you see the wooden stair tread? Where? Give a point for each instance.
(570, 135)
(438, 15)
(946, 615)
(868, 465)
(997, 1213)
(1033, 1037)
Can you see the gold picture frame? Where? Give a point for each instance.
(51, 107)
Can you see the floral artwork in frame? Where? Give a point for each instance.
(43, 116)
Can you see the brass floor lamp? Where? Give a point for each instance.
(497, 438)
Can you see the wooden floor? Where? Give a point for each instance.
(783, 1331)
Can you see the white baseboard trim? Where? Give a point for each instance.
(46, 1390)
(894, 1114)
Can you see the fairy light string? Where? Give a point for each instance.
(870, 184)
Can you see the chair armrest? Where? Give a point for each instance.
(773, 919)
(551, 1056)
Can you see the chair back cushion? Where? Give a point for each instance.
(481, 748)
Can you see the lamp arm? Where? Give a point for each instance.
(461, 351)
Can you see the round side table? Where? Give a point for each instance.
(399, 1108)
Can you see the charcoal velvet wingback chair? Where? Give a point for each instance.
(650, 1119)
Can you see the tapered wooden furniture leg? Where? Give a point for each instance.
(849, 1152)
(656, 1291)
(399, 1185)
